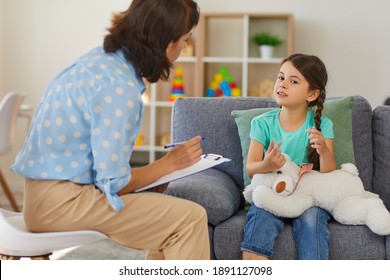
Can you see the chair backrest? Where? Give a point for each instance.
(9, 109)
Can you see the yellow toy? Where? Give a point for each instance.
(177, 85)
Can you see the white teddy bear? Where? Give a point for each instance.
(340, 192)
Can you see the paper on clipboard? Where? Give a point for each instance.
(206, 161)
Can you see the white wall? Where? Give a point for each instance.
(41, 37)
(351, 36)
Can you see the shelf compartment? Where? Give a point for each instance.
(163, 126)
(164, 89)
(139, 158)
(144, 131)
(221, 30)
(265, 74)
(280, 25)
(211, 69)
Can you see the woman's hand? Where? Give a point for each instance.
(177, 158)
(185, 154)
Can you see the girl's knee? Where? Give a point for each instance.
(313, 217)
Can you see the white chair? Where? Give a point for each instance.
(9, 108)
(17, 241)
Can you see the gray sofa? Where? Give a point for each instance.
(219, 190)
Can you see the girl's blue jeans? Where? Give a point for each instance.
(310, 232)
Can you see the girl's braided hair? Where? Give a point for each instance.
(314, 71)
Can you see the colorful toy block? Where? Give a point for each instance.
(223, 85)
(177, 85)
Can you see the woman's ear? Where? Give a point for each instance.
(313, 95)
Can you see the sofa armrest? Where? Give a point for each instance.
(212, 189)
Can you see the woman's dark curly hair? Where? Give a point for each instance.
(314, 71)
(144, 31)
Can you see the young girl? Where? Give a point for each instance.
(306, 136)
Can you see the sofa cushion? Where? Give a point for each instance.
(381, 144)
(338, 110)
(212, 189)
(362, 139)
(348, 242)
(243, 120)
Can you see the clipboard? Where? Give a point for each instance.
(206, 161)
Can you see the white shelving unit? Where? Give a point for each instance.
(157, 117)
(221, 40)
(225, 40)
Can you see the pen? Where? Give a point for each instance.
(172, 145)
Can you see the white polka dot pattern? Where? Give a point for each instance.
(86, 124)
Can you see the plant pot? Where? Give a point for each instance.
(266, 51)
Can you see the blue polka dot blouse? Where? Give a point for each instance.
(86, 124)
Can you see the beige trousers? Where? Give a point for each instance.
(165, 226)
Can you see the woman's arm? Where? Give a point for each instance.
(179, 157)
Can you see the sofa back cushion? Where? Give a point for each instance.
(381, 146)
(211, 118)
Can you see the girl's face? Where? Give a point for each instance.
(291, 87)
(174, 48)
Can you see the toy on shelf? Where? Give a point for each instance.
(189, 49)
(177, 85)
(223, 85)
(264, 88)
(140, 140)
(164, 138)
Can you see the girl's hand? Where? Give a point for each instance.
(317, 141)
(185, 154)
(273, 158)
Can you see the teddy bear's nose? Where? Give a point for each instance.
(280, 187)
(278, 172)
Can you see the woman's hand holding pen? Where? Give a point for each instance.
(179, 157)
(186, 153)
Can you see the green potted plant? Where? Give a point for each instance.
(266, 42)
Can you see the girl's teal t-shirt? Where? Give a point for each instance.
(266, 127)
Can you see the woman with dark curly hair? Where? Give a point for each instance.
(76, 156)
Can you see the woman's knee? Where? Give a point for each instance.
(194, 211)
(200, 212)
